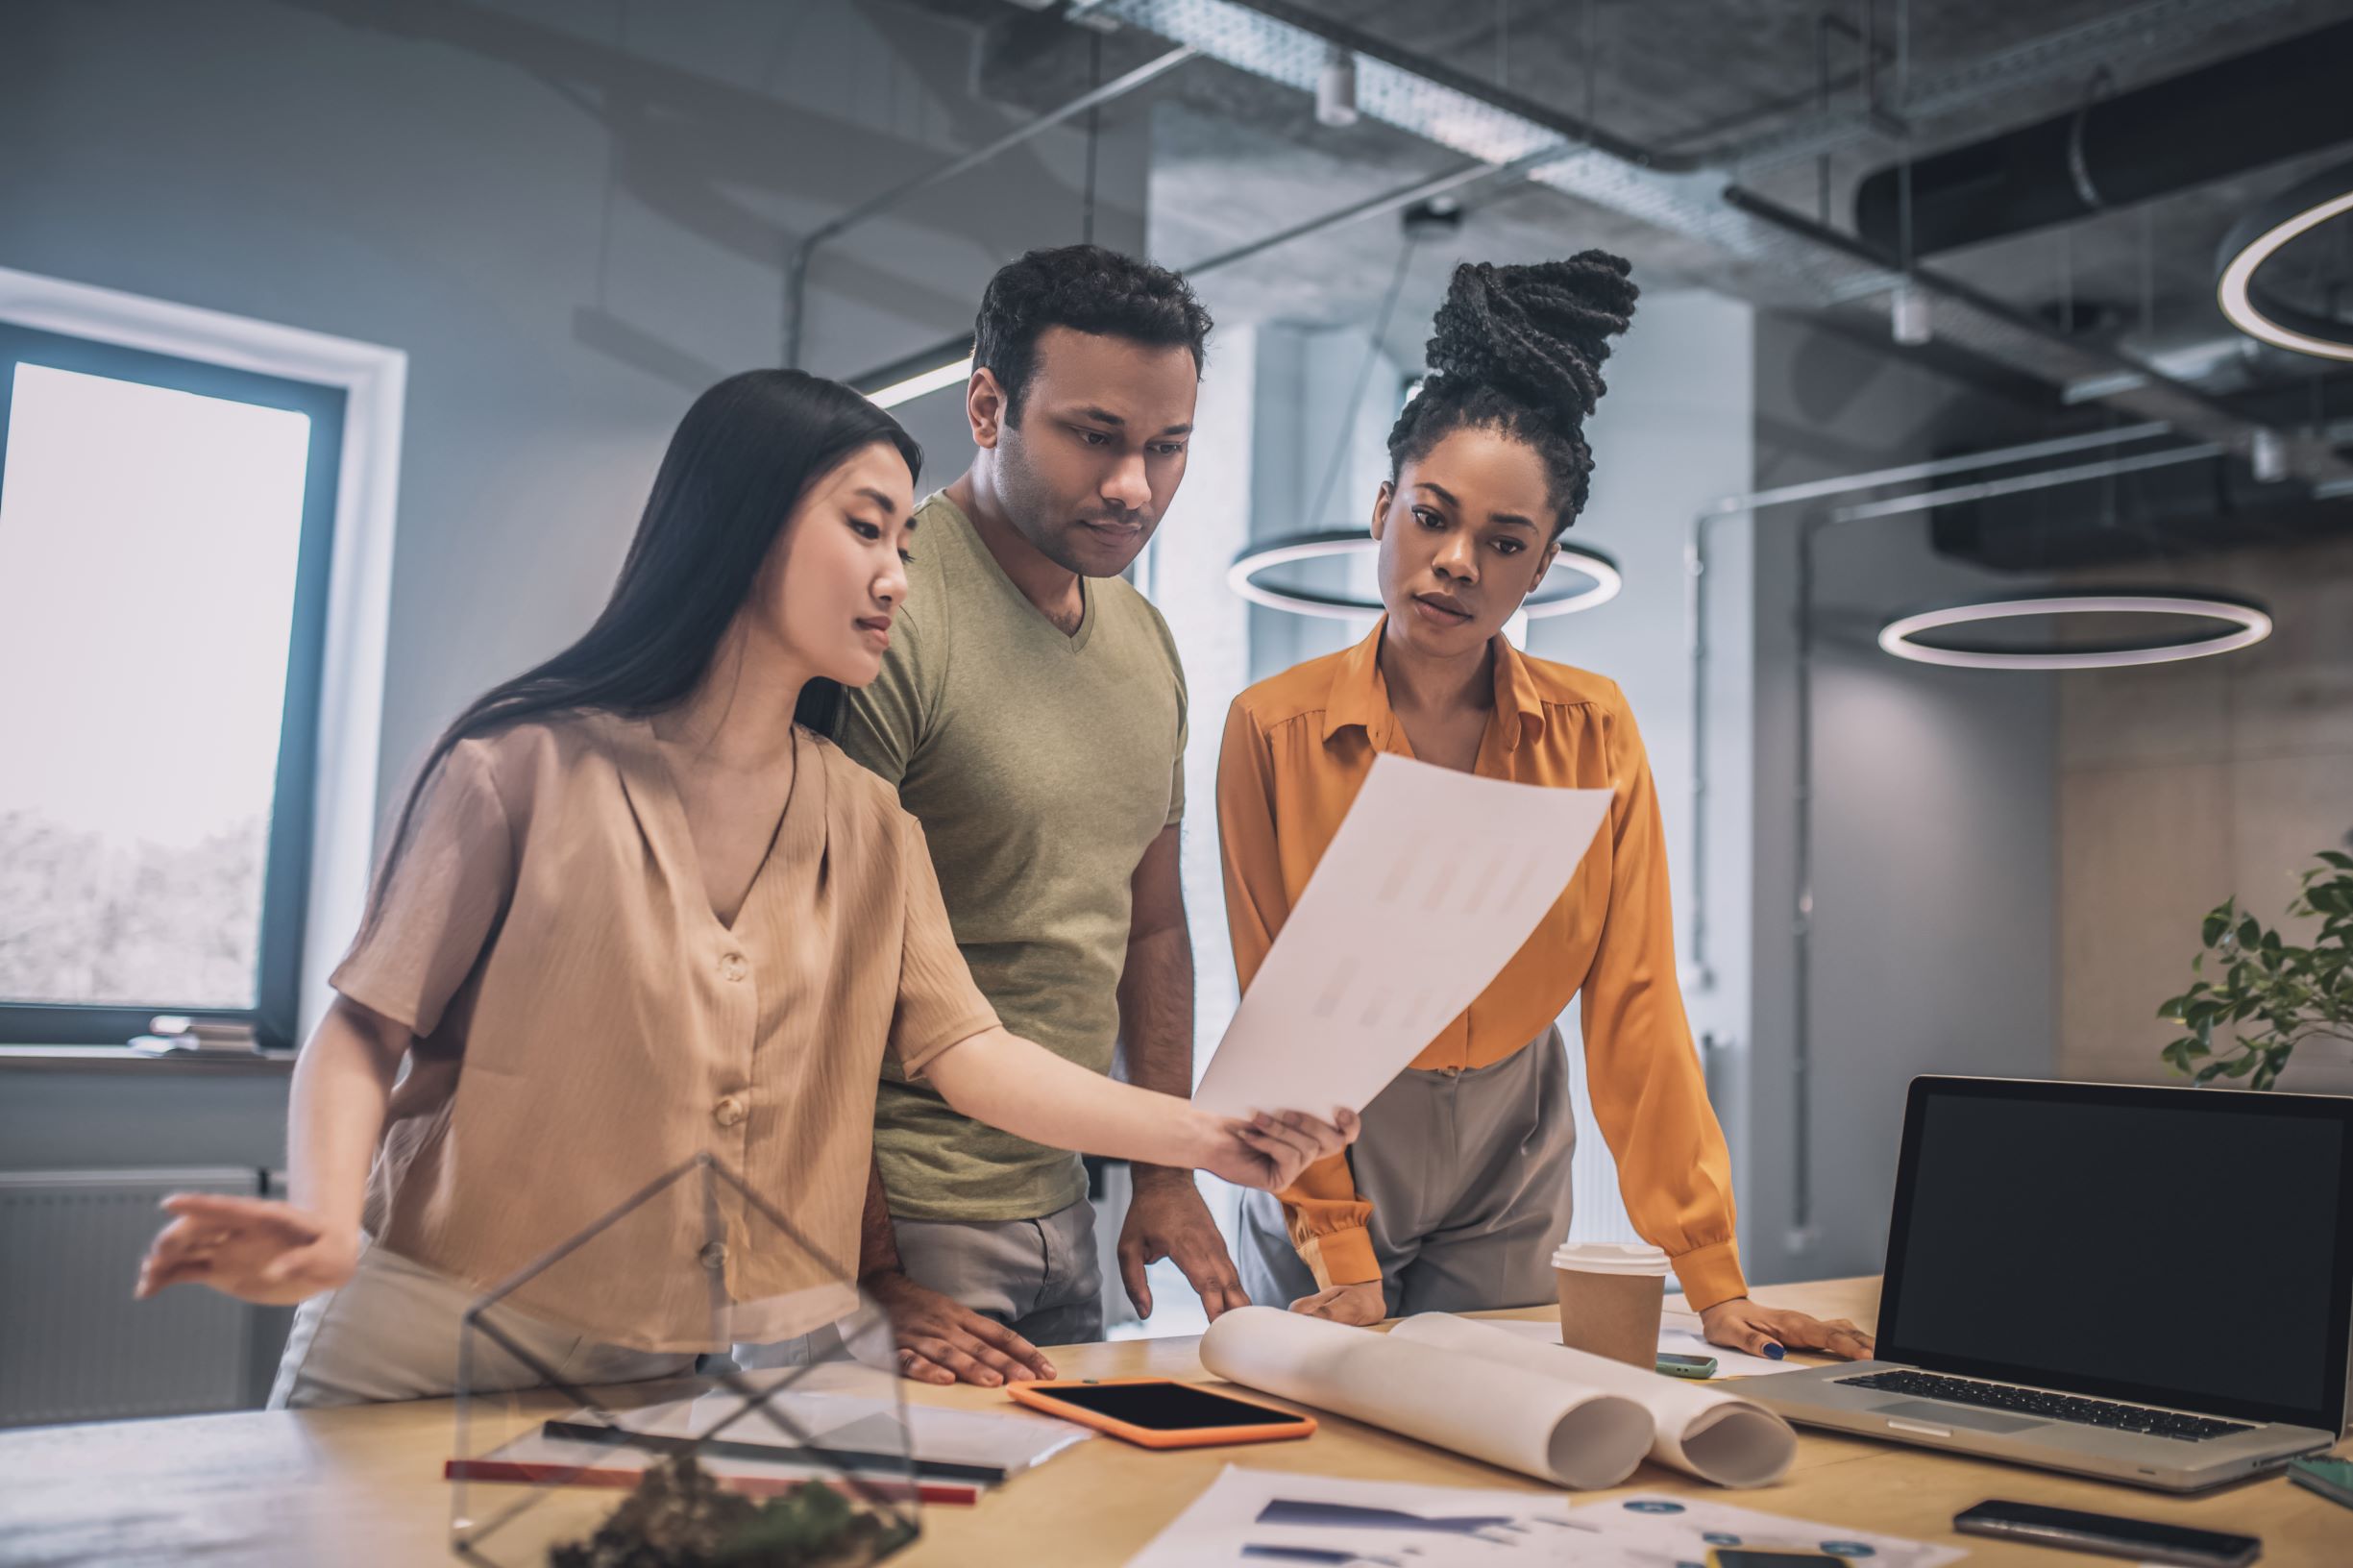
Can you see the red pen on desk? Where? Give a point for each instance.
(947, 1493)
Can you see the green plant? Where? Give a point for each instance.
(2291, 993)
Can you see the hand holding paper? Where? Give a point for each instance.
(1433, 882)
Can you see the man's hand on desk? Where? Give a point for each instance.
(255, 1249)
(942, 1340)
(1741, 1324)
(1361, 1305)
(1167, 1218)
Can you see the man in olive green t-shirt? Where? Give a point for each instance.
(1031, 710)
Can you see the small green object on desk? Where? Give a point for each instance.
(679, 1516)
(2332, 1479)
(1686, 1366)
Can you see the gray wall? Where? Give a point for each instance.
(2183, 784)
(1675, 432)
(1303, 379)
(569, 229)
(1933, 812)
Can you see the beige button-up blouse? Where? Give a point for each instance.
(586, 1026)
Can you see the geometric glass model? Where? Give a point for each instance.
(760, 1423)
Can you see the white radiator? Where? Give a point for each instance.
(73, 1344)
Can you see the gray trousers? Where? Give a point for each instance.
(1468, 1176)
(1040, 1277)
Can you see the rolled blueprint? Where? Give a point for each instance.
(1701, 1430)
(1473, 1405)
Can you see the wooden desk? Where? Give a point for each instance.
(360, 1487)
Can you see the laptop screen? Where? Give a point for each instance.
(2182, 1247)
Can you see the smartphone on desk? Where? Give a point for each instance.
(2141, 1539)
(1162, 1412)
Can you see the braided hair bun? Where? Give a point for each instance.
(1519, 350)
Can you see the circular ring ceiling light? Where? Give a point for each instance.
(2249, 623)
(2258, 310)
(1604, 585)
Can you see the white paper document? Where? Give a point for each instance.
(809, 1432)
(1650, 1530)
(1011, 1440)
(1435, 880)
(1672, 1342)
(1260, 1518)
(1255, 1518)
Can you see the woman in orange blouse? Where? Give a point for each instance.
(1457, 1190)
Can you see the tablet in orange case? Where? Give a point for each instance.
(1163, 1412)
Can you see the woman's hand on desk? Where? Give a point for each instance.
(1361, 1305)
(268, 1253)
(1741, 1324)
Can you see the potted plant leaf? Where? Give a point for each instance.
(2269, 995)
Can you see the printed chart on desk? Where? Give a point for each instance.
(1266, 1519)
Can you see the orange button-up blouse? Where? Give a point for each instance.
(1298, 747)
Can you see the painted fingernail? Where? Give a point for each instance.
(1774, 1353)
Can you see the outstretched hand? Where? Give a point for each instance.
(255, 1249)
(1270, 1150)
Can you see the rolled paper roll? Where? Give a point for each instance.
(1471, 1405)
(1700, 1431)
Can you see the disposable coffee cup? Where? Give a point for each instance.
(1612, 1296)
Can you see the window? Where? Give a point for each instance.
(164, 533)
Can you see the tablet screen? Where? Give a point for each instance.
(1168, 1407)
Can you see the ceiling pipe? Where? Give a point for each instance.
(2223, 119)
(1967, 87)
(796, 265)
(1443, 186)
(1281, 41)
(2186, 406)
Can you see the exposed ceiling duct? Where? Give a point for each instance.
(2234, 115)
(1764, 253)
(2161, 514)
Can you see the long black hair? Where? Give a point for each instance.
(740, 460)
(1519, 350)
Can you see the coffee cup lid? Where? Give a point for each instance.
(1610, 1258)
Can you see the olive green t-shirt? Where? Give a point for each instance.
(1041, 765)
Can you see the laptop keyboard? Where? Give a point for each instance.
(2088, 1413)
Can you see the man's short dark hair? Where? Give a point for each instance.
(1087, 290)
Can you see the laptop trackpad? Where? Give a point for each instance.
(1955, 1415)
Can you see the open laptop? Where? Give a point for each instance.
(2152, 1286)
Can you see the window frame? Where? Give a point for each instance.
(286, 873)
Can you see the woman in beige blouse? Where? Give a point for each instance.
(636, 910)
